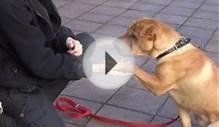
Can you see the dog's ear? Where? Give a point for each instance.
(148, 33)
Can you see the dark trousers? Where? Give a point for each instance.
(31, 110)
(35, 110)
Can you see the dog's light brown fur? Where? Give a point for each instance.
(190, 77)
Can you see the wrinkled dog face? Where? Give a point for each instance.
(140, 36)
(147, 36)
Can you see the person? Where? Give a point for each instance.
(38, 56)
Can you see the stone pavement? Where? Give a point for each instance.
(197, 19)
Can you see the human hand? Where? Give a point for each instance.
(74, 47)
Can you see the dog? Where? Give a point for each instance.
(183, 70)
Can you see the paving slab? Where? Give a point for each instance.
(85, 90)
(65, 20)
(213, 46)
(187, 4)
(150, 65)
(119, 113)
(193, 1)
(122, 21)
(147, 7)
(95, 2)
(198, 42)
(169, 110)
(212, 1)
(119, 3)
(214, 56)
(180, 11)
(70, 125)
(210, 7)
(134, 83)
(138, 100)
(137, 14)
(106, 10)
(83, 26)
(216, 35)
(195, 32)
(202, 23)
(112, 30)
(75, 9)
(100, 36)
(162, 2)
(60, 3)
(98, 18)
(172, 19)
(212, 15)
(162, 120)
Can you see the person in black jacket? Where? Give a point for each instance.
(38, 56)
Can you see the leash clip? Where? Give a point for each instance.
(175, 47)
(77, 106)
(1, 108)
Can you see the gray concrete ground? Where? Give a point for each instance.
(197, 19)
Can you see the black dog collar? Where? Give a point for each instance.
(179, 44)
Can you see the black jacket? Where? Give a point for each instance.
(32, 30)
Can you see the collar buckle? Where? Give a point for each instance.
(182, 42)
(176, 48)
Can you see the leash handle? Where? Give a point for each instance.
(72, 109)
(77, 111)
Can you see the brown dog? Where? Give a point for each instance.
(190, 77)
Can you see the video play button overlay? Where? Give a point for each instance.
(104, 62)
(109, 62)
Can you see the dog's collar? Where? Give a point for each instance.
(183, 41)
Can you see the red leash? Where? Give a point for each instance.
(77, 111)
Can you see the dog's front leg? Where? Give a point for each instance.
(152, 82)
(185, 118)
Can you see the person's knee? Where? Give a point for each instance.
(7, 121)
(32, 110)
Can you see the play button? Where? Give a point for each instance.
(104, 63)
(109, 62)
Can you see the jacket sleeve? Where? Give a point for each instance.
(60, 42)
(28, 42)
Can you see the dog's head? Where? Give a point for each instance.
(149, 37)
